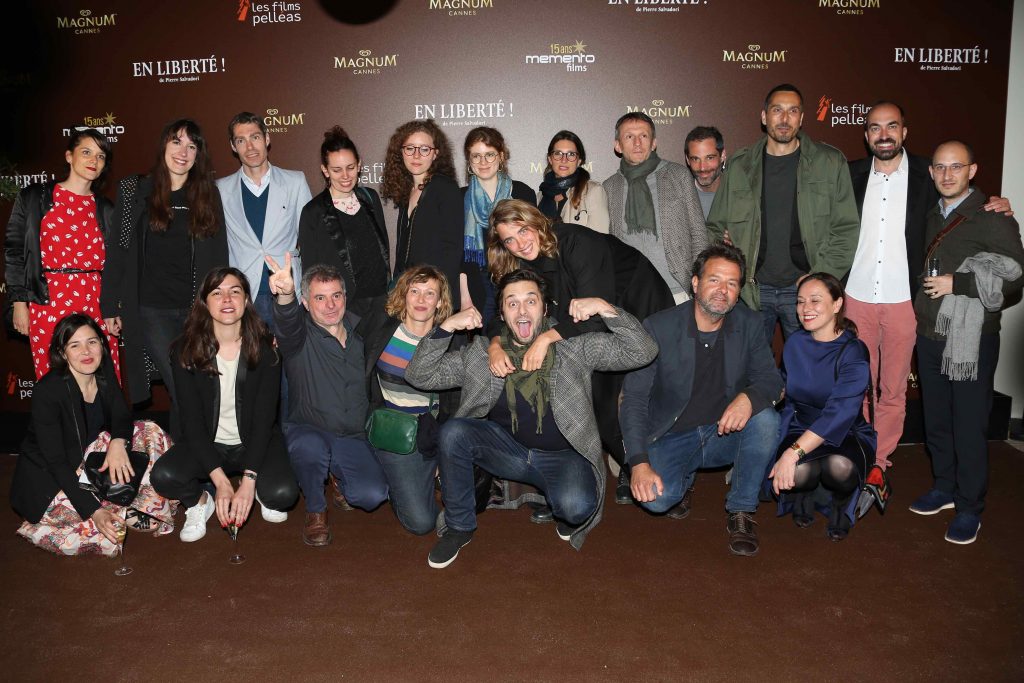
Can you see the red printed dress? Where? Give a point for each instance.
(72, 254)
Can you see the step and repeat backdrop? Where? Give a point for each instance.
(526, 67)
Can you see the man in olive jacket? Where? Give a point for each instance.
(787, 203)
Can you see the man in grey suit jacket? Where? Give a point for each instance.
(262, 204)
(707, 401)
(535, 425)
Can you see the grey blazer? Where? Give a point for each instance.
(677, 208)
(288, 194)
(434, 368)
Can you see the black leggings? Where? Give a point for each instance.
(835, 472)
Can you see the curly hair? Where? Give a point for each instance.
(500, 261)
(491, 137)
(197, 346)
(397, 183)
(395, 306)
(203, 197)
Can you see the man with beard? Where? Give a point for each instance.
(894, 194)
(520, 427)
(787, 203)
(705, 155)
(708, 400)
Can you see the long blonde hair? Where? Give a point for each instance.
(500, 261)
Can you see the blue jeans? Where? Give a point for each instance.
(314, 452)
(778, 303)
(676, 456)
(566, 477)
(411, 480)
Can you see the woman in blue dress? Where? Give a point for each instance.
(826, 446)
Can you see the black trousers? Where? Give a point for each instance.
(178, 474)
(956, 418)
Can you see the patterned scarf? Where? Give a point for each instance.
(478, 210)
(640, 215)
(551, 188)
(534, 387)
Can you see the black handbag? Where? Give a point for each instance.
(101, 485)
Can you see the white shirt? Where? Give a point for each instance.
(264, 184)
(880, 274)
(227, 421)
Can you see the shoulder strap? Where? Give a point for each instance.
(937, 240)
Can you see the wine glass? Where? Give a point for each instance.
(121, 526)
(232, 529)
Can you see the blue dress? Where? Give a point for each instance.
(826, 398)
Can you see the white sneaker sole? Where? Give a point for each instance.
(947, 506)
(442, 565)
(972, 539)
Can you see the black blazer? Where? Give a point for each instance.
(122, 275)
(434, 236)
(23, 263)
(921, 198)
(55, 443)
(256, 394)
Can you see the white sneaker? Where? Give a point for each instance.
(196, 518)
(272, 516)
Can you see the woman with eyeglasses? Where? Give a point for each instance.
(487, 158)
(55, 248)
(419, 180)
(568, 193)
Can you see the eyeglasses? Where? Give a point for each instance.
(410, 150)
(559, 156)
(479, 158)
(952, 168)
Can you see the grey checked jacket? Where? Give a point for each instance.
(434, 368)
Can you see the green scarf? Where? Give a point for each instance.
(639, 202)
(533, 386)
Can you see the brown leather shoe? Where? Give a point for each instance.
(742, 536)
(337, 497)
(315, 531)
(681, 510)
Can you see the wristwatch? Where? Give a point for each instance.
(798, 450)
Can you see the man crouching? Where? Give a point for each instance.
(537, 424)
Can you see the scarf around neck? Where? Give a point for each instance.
(478, 209)
(551, 188)
(534, 387)
(640, 215)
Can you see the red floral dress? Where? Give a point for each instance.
(69, 238)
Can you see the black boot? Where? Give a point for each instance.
(838, 521)
(623, 496)
(803, 509)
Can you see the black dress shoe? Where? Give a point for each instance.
(542, 515)
(623, 496)
(742, 535)
(803, 510)
(681, 510)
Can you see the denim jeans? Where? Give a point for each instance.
(676, 456)
(314, 452)
(160, 327)
(411, 483)
(566, 477)
(778, 303)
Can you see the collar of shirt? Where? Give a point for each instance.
(952, 207)
(262, 187)
(902, 169)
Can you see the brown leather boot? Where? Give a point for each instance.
(315, 531)
(337, 497)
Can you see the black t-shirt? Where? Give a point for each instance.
(778, 219)
(369, 269)
(707, 400)
(94, 420)
(167, 269)
(550, 439)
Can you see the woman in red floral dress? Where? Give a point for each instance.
(55, 250)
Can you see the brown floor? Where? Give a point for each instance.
(647, 599)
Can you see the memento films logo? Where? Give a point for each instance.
(278, 122)
(86, 22)
(460, 8)
(366, 63)
(464, 113)
(106, 124)
(941, 58)
(754, 57)
(179, 70)
(259, 13)
(657, 5)
(661, 113)
(838, 114)
(849, 7)
(573, 56)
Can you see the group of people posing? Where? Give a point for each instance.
(517, 338)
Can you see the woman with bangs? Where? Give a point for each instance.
(419, 180)
(169, 233)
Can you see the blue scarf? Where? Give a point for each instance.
(478, 211)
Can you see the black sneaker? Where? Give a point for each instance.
(447, 548)
(565, 531)
(623, 496)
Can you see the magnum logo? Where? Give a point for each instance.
(661, 113)
(754, 57)
(461, 8)
(277, 122)
(85, 22)
(366, 63)
(849, 6)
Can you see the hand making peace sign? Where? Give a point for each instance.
(281, 281)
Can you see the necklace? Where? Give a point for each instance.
(349, 204)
